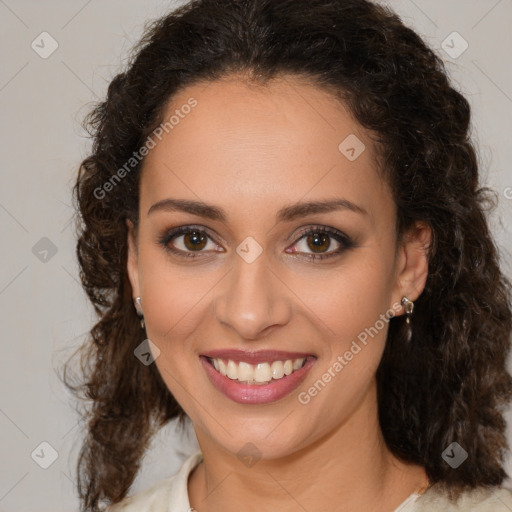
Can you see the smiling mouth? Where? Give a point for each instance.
(257, 374)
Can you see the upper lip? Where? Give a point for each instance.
(254, 357)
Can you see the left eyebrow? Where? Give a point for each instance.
(285, 214)
(291, 212)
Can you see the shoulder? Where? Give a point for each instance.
(154, 499)
(488, 499)
(168, 494)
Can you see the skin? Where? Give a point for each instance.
(252, 150)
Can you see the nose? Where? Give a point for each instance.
(253, 300)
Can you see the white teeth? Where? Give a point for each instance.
(245, 371)
(277, 369)
(297, 364)
(232, 370)
(222, 366)
(260, 373)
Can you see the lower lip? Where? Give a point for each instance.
(257, 393)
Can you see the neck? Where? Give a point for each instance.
(350, 466)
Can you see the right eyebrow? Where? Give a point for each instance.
(195, 207)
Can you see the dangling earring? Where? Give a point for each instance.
(138, 308)
(408, 307)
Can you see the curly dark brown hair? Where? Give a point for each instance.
(450, 382)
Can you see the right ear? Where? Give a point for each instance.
(132, 265)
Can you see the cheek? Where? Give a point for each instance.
(354, 313)
(174, 296)
(353, 297)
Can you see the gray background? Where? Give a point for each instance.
(43, 309)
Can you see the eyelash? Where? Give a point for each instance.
(341, 238)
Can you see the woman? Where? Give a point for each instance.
(284, 235)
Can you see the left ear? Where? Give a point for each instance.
(412, 262)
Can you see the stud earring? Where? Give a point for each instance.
(409, 308)
(138, 308)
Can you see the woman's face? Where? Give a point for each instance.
(251, 168)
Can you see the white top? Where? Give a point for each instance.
(171, 495)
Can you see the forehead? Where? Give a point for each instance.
(277, 142)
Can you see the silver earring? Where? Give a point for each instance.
(138, 308)
(409, 308)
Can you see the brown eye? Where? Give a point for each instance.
(189, 242)
(318, 242)
(195, 240)
(314, 243)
